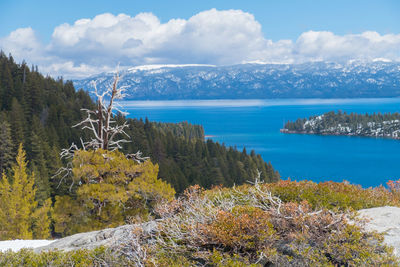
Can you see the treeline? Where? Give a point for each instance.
(39, 111)
(188, 161)
(343, 123)
(182, 129)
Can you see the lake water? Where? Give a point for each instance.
(255, 124)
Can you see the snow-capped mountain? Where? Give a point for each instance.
(247, 81)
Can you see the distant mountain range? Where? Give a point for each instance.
(250, 81)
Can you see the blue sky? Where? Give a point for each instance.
(219, 32)
(280, 19)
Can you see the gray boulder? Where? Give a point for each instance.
(110, 237)
(384, 220)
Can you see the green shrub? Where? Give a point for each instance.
(83, 257)
(332, 195)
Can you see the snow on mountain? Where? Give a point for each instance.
(160, 66)
(378, 78)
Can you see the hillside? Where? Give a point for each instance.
(341, 123)
(249, 81)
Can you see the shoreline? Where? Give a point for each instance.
(286, 131)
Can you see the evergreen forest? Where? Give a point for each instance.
(343, 123)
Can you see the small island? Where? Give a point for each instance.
(385, 125)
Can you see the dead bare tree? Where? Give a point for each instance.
(101, 122)
(106, 133)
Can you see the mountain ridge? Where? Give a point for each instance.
(354, 79)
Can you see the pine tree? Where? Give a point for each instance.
(17, 127)
(41, 221)
(39, 167)
(6, 146)
(8, 86)
(112, 189)
(19, 215)
(17, 201)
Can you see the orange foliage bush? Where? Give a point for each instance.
(394, 186)
(242, 229)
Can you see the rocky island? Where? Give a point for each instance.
(385, 125)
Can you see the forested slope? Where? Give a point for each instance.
(37, 111)
(187, 161)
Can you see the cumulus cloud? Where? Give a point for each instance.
(217, 37)
(324, 45)
(210, 37)
(23, 43)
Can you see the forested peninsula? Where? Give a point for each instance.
(385, 125)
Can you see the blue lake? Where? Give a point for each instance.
(255, 124)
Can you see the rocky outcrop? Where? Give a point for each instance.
(110, 237)
(384, 220)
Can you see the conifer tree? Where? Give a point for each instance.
(8, 86)
(17, 201)
(20, 217)
(39, 167)
(6, 145)
(112, 189)
(17, 127)
(41, 221)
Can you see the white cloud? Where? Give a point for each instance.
(70, 69)
(217, 37)
(23, 44)
(210, 37)
(324, 45)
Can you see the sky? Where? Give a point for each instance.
(80, 38)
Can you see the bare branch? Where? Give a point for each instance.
(106, 133)
(102, 125)
(137, 157)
